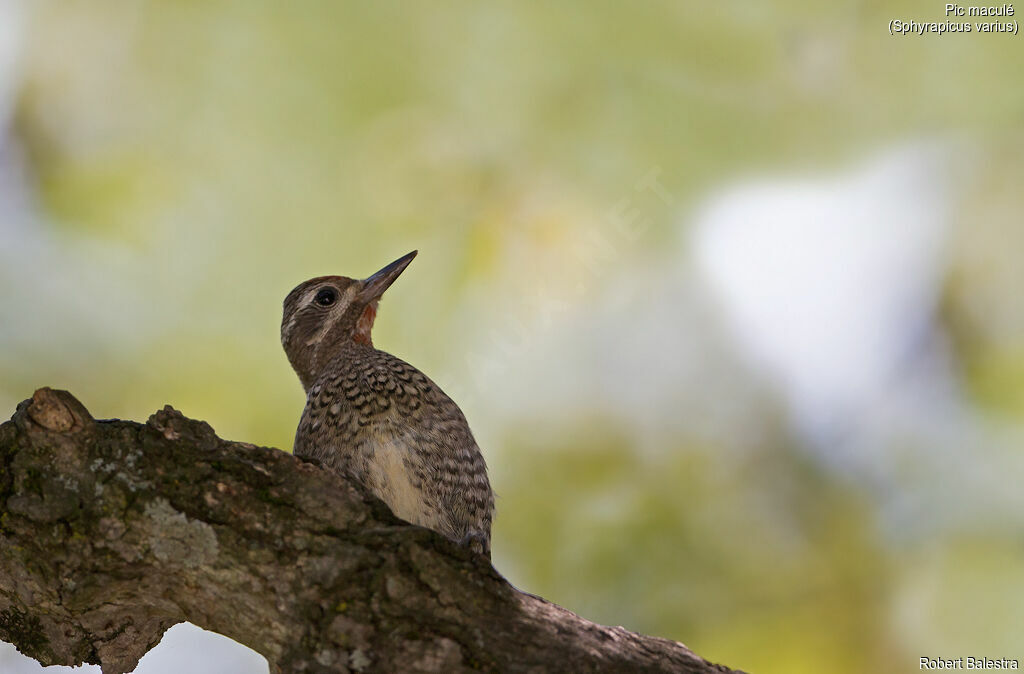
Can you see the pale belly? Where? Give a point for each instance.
(391, 482)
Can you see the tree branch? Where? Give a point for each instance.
(113, 531)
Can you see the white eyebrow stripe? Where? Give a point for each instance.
(336, 311)
(286, 330)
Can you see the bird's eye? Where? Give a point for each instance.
(326, 297)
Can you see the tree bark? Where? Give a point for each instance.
(113, 531)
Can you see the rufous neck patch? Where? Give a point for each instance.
(365, 324)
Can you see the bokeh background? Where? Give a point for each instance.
(729, 292)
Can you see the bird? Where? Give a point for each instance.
(378, 420)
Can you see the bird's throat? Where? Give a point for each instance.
(365, 324)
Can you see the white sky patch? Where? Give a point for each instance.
(184, 648)
(12, 23)
(829, 285)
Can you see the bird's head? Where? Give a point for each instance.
(325, 313)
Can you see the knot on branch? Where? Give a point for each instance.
(57, 411)
(174, 425)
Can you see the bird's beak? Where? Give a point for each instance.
(375, 285)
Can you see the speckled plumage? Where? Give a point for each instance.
(378, 419)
